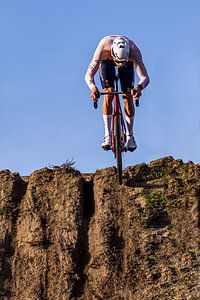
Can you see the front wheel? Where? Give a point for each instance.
(118, 148)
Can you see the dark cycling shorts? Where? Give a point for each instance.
(107, 75)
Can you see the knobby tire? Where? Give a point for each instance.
(118, 148)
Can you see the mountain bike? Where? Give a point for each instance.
(118, 128)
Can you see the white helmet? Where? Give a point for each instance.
(120, 49)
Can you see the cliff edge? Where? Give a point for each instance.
(63, 236)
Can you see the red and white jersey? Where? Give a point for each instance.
(103, 52)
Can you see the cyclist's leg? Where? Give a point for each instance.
(126, 75)
(107, 75)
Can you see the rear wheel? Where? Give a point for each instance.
(118, 148)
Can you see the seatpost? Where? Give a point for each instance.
(116, 83)
(116, 105)
(116, 80)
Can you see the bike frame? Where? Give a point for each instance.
(118, 128)
(117, 112)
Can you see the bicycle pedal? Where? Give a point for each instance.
(131, 149)
(106, 148)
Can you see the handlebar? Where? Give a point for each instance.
(114, 93)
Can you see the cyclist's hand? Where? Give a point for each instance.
(95, 94)
(136, 92)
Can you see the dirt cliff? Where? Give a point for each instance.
(64, 236)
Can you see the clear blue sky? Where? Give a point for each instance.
(46, 115)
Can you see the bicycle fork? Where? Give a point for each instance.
(117, 118)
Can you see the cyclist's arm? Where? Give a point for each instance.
(91, 71)
(140, 68)
(93, 66)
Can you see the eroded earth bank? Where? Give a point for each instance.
(64, 236)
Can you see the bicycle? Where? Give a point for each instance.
(118, 131)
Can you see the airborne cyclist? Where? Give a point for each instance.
(117, 51)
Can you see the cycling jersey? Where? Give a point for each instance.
(103, 52)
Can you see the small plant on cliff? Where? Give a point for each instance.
(67, 165)
(153, 210)
(156, 213)
(155, 201)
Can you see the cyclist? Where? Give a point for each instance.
(120, 52)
